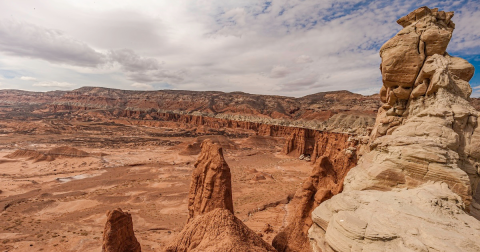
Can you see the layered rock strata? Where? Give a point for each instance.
(211, 185)
(413, 190)
(340, 111)
(118, 235)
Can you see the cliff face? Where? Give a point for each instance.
(340, 111)
(413, 190)
(111, 106)
(332, 155)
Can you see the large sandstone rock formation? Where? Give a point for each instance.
(325, 181)
(218, 230)
(428, 218)
(118, 233)
(211, 185)
(424, 133)
(211, 225)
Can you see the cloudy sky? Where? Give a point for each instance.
(282, 47)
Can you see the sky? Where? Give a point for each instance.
(280, 47)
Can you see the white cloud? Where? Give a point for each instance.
(53, 84)
(303, 59)
(27, 78)
(279, 72)
(142, 86)
(29, 40)
(286, 47)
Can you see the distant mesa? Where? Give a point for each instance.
(50, 155)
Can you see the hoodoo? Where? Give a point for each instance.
(211, 185)
(413, 190)
(118, 235)
(211, 225)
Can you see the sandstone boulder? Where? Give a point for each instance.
(211, 185)
(118, 235)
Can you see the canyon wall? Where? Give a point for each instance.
(103, 107)
(339, 111)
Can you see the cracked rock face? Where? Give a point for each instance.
(211, 185)
(426, 132)
(118, 235)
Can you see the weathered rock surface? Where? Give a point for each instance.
(325, 181)
(211, 225)
(333, 155)
(425, 133)
(118, 235)
(217, 230)
(428, 218)
(211, 185)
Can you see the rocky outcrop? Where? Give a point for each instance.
(211, 185)
(428, 218)
(217, 230)
(212, 225)
(118, 235)
(332, 156)
(413, 190)
(325, 181)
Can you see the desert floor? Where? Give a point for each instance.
(60, 205)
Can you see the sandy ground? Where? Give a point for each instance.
(60, 205)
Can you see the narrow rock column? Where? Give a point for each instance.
(118, 235)
(211, 225)
(211, 185)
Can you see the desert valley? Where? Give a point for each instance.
(101, 169)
